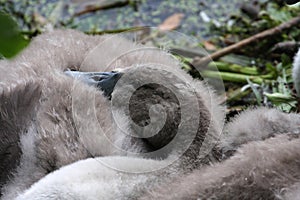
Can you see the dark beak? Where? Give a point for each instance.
(105, 81)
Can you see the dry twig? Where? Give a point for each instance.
(199, 62)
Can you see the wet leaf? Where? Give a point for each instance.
(171, 22)
(209, 46)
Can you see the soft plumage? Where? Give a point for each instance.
(259, 170)
(53, 124)
(256, 125)
(57, 127)
(261, 160)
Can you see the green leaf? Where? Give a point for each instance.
(11, 40)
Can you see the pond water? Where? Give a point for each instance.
(198, 14)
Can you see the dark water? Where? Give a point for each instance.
(134, 14)
(154, 12)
